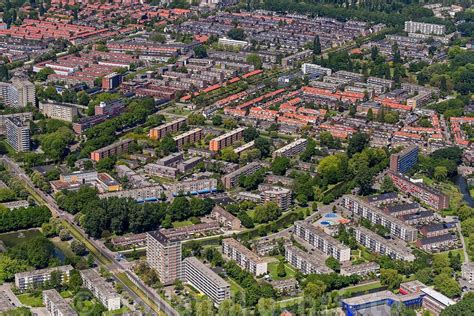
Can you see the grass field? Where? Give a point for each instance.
(29, 300)
(120, 311)
(454, 252)
(181, 224)
(272, 269)
(360, 289)
(63, 246)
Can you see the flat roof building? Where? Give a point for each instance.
(114, 149)
(35, 278)
(405, 160)
(226, 140)
(167, 128)
(361, 208)
(56, 305)
(322, 241)
(205, 280)
(230, 180)
(244, 257)
(292, 149)
(164, 255)
(101, 289)
(378, 244)
(18, 134)
(306, 261)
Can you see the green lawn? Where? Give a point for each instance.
(181, 224)
(360, 289)
(120, 311)
(454, 252)
(66, 294)
(272, 269)
(29, 300)
(234, 287)
(471, 192)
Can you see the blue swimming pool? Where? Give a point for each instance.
(330, 215)
(326, 223)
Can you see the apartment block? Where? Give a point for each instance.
(146, 194)
(161, 171)
(164, 255)
(189, 164)
(35, 278)
(58, 111)
(56, 305)
(278, 195)
(102, 290)
(231, 180)
(224, 218)
(24, 117)
(114, 149)
(18, 134)
(292, 149)
(314, 69)
(244, 257)
(18, 94)
(193, 187)
(305, 262)
(424, 28)
(226, 140)
(188, 137)
(170, 160)
(378, 244)
(428, 195)
(322, 241)
(361, 208)
(205, 280)
(167, 128)
(360, 269)
(405, 160)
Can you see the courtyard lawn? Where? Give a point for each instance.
(120, 311)
(273, 267)
(30, 300)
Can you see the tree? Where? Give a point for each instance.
(390, 278)
(267, 212)
(43, 74)
(370, 115)
(236, 34)
(250, 133)
(374, 52)
(196, 119)
(357, 143)
(4, 77)
(9, 267)
(455, 261)
(447, 285)
(263, 145)
(200, 51)
(280, 165)
(255, 60)
(229, 154)
(78, 248)
(440, 173)
(217, 120)
(316, 45)
(266, 306)
(463, 307)
(281, 271)
(333, 168)
(387, 185)
(167, 145)
(314, 290)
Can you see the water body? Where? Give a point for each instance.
(464, 188)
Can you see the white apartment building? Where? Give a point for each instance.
(244, 257)
(59, 111)
(56, 305)
(424, 28)
(25, 280)
(205, 280)
(361, 208)
(101, 289)
(322, 241)
(292, 149)
(309, 69)
(305, 262)
(375, 243)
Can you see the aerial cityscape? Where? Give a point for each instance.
(236, 157)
